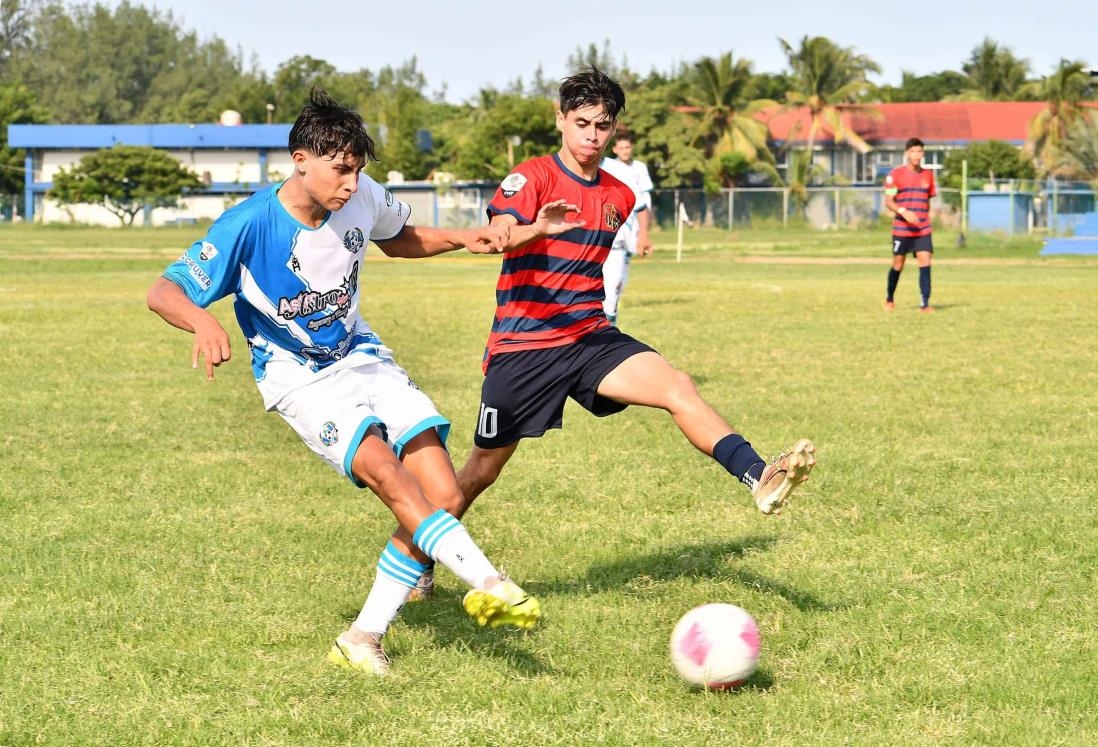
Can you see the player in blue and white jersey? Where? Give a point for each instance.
(291, 256)
(632, 237)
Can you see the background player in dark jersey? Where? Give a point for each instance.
(550, 337)
(908, 190)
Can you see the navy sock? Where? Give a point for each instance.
(735, 454)
(924, 284)
(893, 280)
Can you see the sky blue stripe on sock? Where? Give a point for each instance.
(436, 537)
(426, 525)
(398, 574)
(411, 563)
(441, 527)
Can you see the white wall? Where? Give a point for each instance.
(241, 166)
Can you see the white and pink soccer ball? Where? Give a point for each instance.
(715, 646)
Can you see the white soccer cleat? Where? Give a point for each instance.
(783, 475)
(366, 657)
(425, 587)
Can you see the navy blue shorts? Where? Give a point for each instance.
(524, 392)
(912, 244)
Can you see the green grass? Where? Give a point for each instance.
(174, 563)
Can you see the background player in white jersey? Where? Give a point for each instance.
(632, 237)
(291, 255)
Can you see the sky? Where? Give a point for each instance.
(469, 45)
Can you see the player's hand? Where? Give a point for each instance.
(644, 245)
(212, 343)
(552, 218)
(491, 240)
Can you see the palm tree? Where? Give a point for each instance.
(1050, 130)
(725, 121)
(1080, 155)
(994, 73)
(826, 75)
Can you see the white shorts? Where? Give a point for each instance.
(333, 413)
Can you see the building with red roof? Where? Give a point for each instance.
(941, 125)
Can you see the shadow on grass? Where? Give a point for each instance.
(450, 627)
(709, 560)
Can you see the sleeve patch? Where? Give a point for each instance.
(513, 184)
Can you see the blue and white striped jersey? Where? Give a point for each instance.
(296, 287)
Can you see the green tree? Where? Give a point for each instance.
(1048, 140)
(725, 121)
(932, 87)
(657, 127)
(296, 76)
(17, 106)
(476, 141)
(994, 73)
(1080, 160)
(128, 63)
(124, 179)
(16, 20)
(992, 159)
(824, 76)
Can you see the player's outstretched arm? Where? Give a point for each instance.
(416, 242)
(210, 339)
(551, 220)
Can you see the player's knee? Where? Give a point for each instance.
(681, 390)
(389, 480)
(451, 501)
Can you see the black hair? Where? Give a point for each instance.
(326, 127)
(913, 142)
(623, 135)
(591, 86)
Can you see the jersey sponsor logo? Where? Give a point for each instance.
(208, 251)
(329, 434)
(353, 239)
(325, 354)
(513, 184)
(197, 272)
(612, 217)
(308, 303)
(295, 265)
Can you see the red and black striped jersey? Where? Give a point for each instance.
(912, 190)
(550, 292)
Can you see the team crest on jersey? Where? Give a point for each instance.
(329, 434)
(208, 251)
(612, 217)
(353, 239)
(513, 184)
(388, 198)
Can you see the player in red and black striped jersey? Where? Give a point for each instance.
(908, 190)
(550, 338)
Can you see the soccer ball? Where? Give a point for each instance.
(715, 646)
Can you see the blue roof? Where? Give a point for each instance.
(68, 137)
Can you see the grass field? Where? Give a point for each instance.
(174, 563)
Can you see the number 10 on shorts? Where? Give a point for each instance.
(488, 425)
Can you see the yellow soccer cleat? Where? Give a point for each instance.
(783, 475)
(366, 657)
(505, 603)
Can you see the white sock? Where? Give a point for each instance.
(445, 540)
(397, 575)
